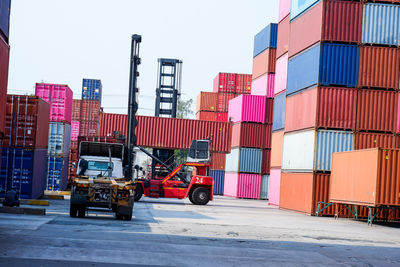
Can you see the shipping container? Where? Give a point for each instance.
(276, 149)
(243, 83)
(307, 151)
(329, 64)
(246, 160)
(89, 128)
(230, 184)
(27, 122)
(222, 116)
(225, 82)
(264, 63)
(90, 110)
(264, 187)
(74, 130)
(279, 112)
(207, 101)
(379, 67)
(92, 90)
(300, 6)
(223, 101)
(23, 170)
(274, 190)
(248, 108)
(249, 186)
(263, 85)
(377, 110)
(74, 145)
(5, 6)
(218, 161)
(374, 140)
(60, 98)
(59, 138)
(381, 24)
(206, 116)
(283, 37)
(98, 139)
(265, 39)
(321, 107)
(284, 10)
(4, 61)
(366, 177)
(76, 109)
(269, 111)
(219, 177)
(281, 74)
(253, 135)
(57, 172)
(266, 161)
(329, 20)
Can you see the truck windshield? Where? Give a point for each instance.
(99, 165)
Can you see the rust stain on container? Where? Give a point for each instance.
(276, 149)
(264, 63)
(374, 140)
(379, 67)
(207, 101)
(377, 110)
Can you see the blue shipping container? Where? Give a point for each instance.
(381, 24)
(329, 142)
(279, 112)
(266, 38)
(24, 171)
(246, 160)
(59, 138)
(264, 186)
(219, 178)
(5, 6)
(300, 6)
(327, 64)
(57, 172)
(92, 89)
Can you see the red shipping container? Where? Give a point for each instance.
(206, 116)
(264, 63)
(170, 133)
(253, 135)
(225, 82)
(218, 161)
(266, 161)
(374, 140)
(282, 46)
(88, 128)
(76, 109)
(269, 111)
(74, 144)
(222, 116)
(379, 67)
(329, 20)
(376, 110)
(243, 83)
(90, 110)
(97, 139)
(27, 122)
(4, 61)
(207, 101)
(223, 101)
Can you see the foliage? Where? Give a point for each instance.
(184, 109)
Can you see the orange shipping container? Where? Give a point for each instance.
(367, 177)
(218, 161)
(374, 140)
(207, 101)
(206, 116)
(379, 67)
(264, 63)
(276, 150)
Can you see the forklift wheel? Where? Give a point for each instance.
(73, 210)
(138, 193)
(81, 212)
(201, 196)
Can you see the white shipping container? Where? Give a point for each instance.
(298, 151)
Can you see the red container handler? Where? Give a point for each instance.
(4, 61)
(225, 82)
(27, 122)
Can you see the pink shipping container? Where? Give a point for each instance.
(225, 82)
(281, 74)
(74, 130)
(59, 96)
(263, 85)
(284, 9)
(274, 188)
(242, 185)
(247, 108)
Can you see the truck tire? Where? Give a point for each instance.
(191, 198)
(81, 212)
(138, 193)
(201, 196)
(73, 210)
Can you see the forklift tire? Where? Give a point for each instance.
(138, 193)
(191, 198)
(201, 196)
(81, 212)
(73, 210)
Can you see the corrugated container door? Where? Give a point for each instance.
(250, 160)
(298, 151)
(274, 187)
(231, 184)
(374, 140)
(57, 173)
(219, 177)
(296, 192)
(232, 161)
(264, 186)
(249, 186)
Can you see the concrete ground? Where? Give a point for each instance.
(227, 232)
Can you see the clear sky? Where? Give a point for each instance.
(63, 41)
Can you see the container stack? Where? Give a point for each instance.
(342, 78)
(59, 97)
(24, 152)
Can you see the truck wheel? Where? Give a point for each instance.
(128, 217)
(81, 212)
(201, 196)
(73, 210)
(118, 216)
(138, 193)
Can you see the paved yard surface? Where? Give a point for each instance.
(227, 232)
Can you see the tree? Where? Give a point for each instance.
(184, 109)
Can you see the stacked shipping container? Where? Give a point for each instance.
(59, 133)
